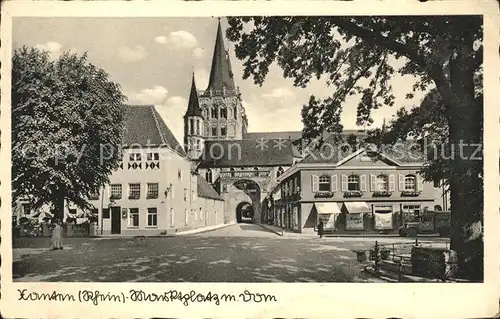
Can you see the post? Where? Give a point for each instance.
(376, 255)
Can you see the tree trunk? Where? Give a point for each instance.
(465, 121)
(59, 208)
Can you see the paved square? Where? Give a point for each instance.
(238, 253)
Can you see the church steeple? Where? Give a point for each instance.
(221, 74)
(193, 105)
(194, 140)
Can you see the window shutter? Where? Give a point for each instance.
(315, 183)
(373, 183)
(333, 182)
(401, 182)
(420, 183)
(344, 183)
(362, 186)
(392, 183)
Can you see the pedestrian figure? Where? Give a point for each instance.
(320, 229)
(56, 242)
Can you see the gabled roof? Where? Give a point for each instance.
(145, 127)
(221, 74)
(205, 190)
(194, 108)
(332, 152)
(248, 153)
(294, 135)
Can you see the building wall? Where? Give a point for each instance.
(177, 196)
(298, 192)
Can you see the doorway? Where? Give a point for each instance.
(116, 220)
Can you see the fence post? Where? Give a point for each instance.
(393, 252)
(375, 252)
(400, 269)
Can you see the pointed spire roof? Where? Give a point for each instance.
(193, 104)
(221, 74)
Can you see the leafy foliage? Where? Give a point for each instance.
(358, 56)
(63, 111)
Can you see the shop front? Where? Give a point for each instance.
(355, 213)
(383, 217)
(329, 214)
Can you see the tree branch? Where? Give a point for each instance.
(376, 38)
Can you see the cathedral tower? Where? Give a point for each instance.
(223, 114)
(194, 140)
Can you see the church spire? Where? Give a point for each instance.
(193, 104)
(221, 74)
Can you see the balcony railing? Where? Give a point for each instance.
(247, 174)
(218, 93)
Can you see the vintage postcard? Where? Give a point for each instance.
(250, 160)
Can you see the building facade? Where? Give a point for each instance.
(362, 191)
(155, 190)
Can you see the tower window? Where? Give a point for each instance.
(198, 127)
(213, 112)
(223, 112)
(223, 131)
(235, 112)
(208, 175)
(214, 131)
(191, 126)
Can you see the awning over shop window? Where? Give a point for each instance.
(327, 208)
(357, 207)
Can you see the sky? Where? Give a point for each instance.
(153, 60)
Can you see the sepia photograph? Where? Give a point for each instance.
(244, 148)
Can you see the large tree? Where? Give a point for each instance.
(358, 56)
(67, 123)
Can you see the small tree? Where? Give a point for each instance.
(67, 125)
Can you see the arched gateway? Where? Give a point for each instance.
(249, 205)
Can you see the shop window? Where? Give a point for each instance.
(411, 212)
(133, 217)
(353, 183)
(410, 183)
(324, 183)
(152, 217)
